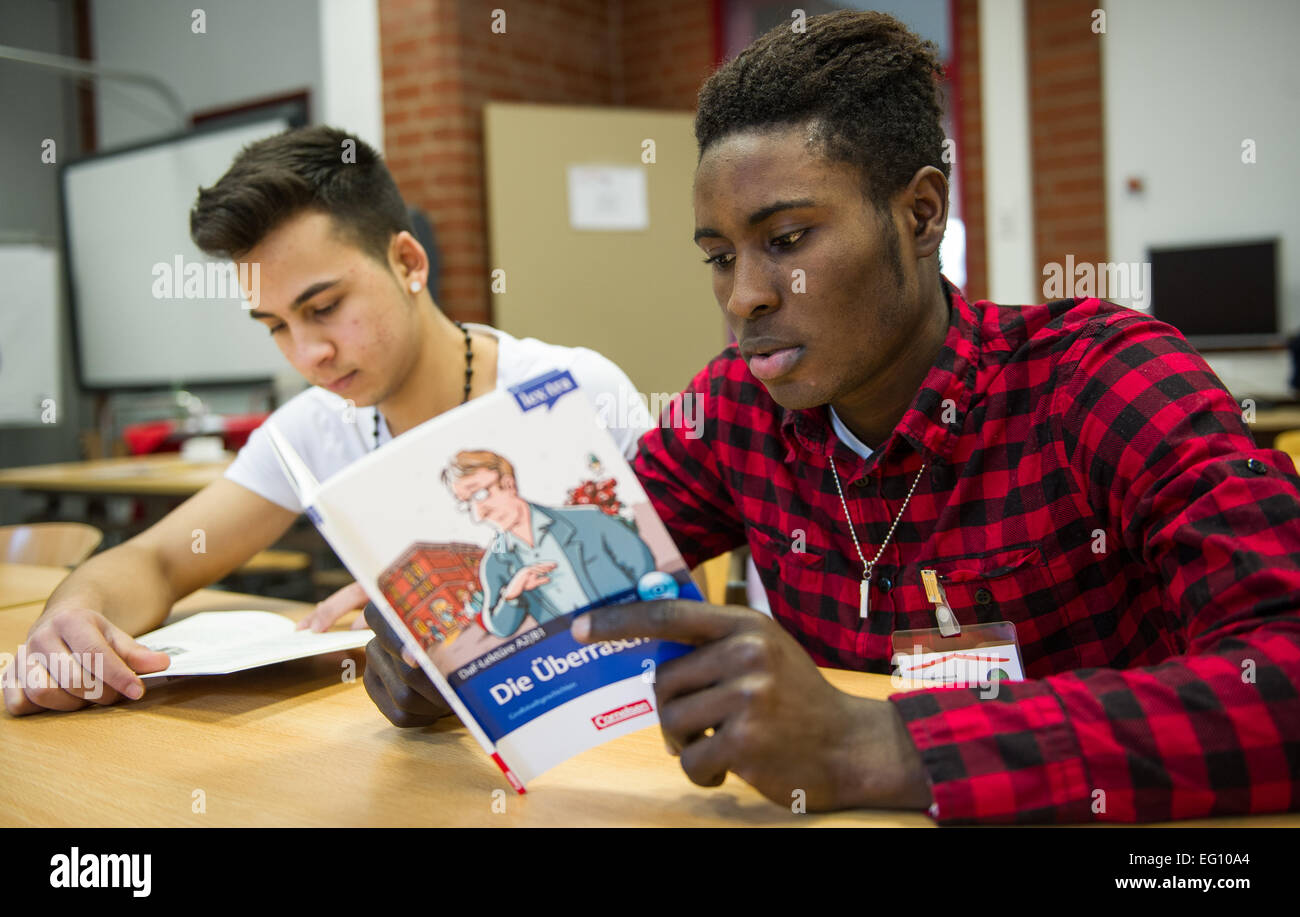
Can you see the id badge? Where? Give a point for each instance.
(977, 656)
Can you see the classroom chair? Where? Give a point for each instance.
(49, 544)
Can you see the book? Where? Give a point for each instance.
(480, 535)
(222, 642)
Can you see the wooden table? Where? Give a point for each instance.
(298, 744)
(145, 475)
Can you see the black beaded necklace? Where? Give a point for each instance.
(469, 375)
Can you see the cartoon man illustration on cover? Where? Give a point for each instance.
(546, 561)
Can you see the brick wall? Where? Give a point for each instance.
(1066, 131)
(442, 62)
(667, 49)
(1065, 111)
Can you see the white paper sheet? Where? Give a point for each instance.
(221, 642)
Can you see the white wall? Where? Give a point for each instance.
(1185, 82)
(1009, 213)
(251, 49)
(351, 94)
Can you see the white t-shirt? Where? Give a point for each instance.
(330, 437)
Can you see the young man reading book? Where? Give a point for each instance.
(900, 459)
(344, 294)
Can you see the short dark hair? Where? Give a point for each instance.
(869, 83)
(307, 168)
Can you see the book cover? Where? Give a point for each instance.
(480, 535)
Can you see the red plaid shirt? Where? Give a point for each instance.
(1088, 479)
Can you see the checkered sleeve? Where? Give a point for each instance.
(1164, 458)
(677, 467)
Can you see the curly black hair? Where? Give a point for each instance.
(867, 82)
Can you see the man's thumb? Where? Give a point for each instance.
(139, 657)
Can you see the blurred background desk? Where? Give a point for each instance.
(165, 475)
(124, 496)
(1269, 423)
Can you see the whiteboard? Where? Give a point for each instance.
(29, 336)
(126, 232)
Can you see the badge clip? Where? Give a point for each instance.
(948, 625)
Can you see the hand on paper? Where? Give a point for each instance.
(74, 657)
(749, 700)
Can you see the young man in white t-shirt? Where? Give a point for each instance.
(343, 291)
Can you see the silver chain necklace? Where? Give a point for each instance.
(864, 588)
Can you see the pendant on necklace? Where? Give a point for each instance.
(864, 591)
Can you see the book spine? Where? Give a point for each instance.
(510, 775)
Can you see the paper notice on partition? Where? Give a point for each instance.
(221, 642)
(608, 198)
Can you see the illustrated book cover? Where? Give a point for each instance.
(480, 535)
